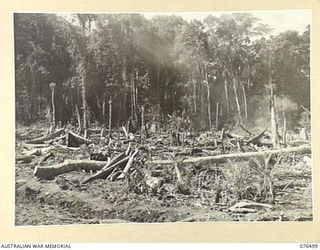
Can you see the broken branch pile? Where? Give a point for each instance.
(146, 168)
(118, 167)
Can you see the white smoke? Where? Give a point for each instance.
(261, 117)
(284, 103)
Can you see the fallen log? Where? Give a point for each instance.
(114, 175)
(67, 148)
(66, 167)
(119, 157)
(128, 165)
(74, 140)
(105, 172)
(43, 139)
(236, 156)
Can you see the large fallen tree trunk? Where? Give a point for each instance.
(237, 156)
(43, 139)
(105, 172)
(68, 166)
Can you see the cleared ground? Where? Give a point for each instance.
(212, 189)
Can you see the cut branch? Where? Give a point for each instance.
(106, 171)
(249, 133)
(116, 159)
(128, 165)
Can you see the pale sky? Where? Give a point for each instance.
(278, 20)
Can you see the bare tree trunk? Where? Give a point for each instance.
(209, 104)
(83, 71)
(136, 95)
(84, 105)
(227, 97)
(110, 117)
(124, 106)
(142, 120)
(78, 117)
(124, 77)
(158, 83)
(174, 100)
(245, 100)
(194, 97)
(104, 109)
(132, 97)
(237, 100)
(124, 69)
(217, 116)
(72, 104)
(78, 95)
(208, 97)
(33, 103)
(202, 100)
(284, 135)
(274, 123)
(273, 112)
(53, 109)
(284, 131)
(98, 107)
(53, 86)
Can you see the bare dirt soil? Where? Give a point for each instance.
(212, 189)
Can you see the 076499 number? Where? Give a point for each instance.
(307, 246)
